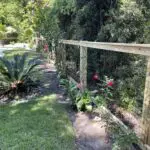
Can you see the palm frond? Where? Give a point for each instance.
(7, 68)
(22, 62)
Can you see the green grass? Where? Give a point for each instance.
(41, 124)
(11, 53)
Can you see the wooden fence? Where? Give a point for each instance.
(141, 49)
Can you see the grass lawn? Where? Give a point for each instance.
(11, 53)
(41, 124)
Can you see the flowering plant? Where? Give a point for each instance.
(105, 88)
(95, 77)
(46, 48)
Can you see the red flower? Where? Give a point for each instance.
(13, 85)
(110, 83)
(114, 106)
(46, 48)
(95, 77)
(79, 86)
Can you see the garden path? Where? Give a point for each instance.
(89, 130)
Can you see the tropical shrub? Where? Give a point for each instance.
(16, 75)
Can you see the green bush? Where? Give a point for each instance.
(2, 31)
(16, 75)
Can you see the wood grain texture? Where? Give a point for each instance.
(146, 107)
(141, 49)
(83, 67)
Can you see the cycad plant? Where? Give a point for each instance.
(16, 75)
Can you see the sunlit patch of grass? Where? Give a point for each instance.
(41, 124)
(9, 54)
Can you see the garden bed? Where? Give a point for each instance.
(128, 126)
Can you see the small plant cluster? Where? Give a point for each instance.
(81, 100)
(124, 141)
(104, 87)
(85, 100)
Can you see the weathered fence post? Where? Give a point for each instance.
(61, 58)
(63, 55)
(146, 107)
(83, 67)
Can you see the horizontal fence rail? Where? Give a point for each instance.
(141, 49)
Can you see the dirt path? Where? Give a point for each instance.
(90, 131)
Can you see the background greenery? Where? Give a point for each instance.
(124, 21)
(94, 20)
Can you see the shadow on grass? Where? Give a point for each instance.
(39, 124)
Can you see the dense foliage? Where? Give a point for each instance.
(94, 20)
(21, 15)
(108, 21)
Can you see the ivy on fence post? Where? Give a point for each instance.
(146, 108)
(83, 67)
